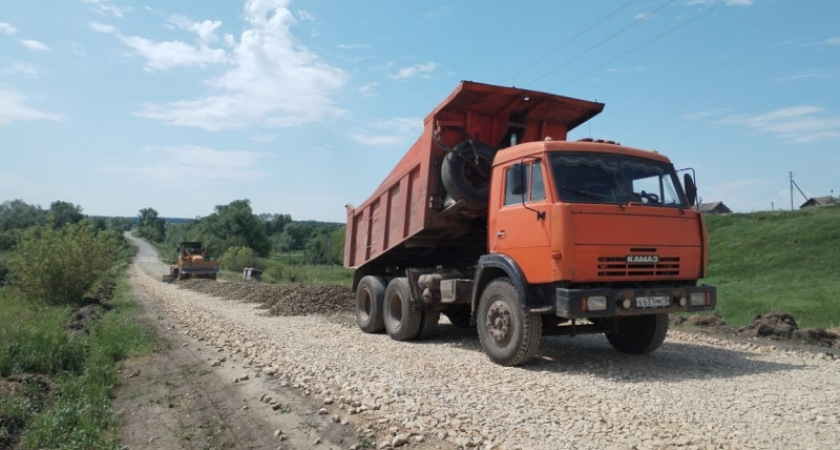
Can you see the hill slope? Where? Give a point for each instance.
(777, 261)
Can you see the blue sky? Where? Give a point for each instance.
(304, 106)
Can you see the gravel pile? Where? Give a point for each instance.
(280, 300)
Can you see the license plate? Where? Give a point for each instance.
(656, 301)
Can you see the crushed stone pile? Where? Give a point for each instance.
(279, 300)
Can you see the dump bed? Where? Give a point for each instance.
(410, 219)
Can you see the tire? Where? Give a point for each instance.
(428, 324)
(509, 335)
(639, 335)
(459, 316)
(467, 178)
(402, 322)
(370, 294)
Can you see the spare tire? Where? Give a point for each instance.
(466, 173)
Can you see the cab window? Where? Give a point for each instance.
(524, 182)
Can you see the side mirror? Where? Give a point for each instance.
(517, 180)
(690, 189)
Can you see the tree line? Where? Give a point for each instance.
(235, 228)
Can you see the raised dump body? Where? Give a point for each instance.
(411, 216)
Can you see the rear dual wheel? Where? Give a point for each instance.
(370, 295)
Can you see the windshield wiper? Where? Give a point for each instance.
(587, 194)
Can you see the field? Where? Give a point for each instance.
(777, 261)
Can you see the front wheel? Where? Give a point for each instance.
(509, 335)
(639, 335)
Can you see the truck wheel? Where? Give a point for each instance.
(402, 322)
(639, 335)
(509, 335)
(428, 324)
(466, 174)
(459, 316)
(369, 297)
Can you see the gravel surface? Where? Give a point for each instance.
(695, 392)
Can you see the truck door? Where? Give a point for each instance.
(521, 229)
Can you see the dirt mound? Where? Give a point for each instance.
(83, 317)
(712, 320)
(774, 326)
(280, 300)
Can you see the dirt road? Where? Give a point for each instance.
(696, 392)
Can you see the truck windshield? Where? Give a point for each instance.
(610, 178)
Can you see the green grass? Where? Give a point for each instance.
(82, 369)
(277, 271)
(777, 261)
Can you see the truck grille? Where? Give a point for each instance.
(616, 266)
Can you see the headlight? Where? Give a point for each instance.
(596, 303)
(698, 299)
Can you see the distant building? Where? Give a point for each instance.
(819, 201)
(713, 208)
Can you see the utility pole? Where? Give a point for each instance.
(772, 206)
(792, 185)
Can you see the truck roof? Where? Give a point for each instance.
(529, 148)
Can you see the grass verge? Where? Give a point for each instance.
(56, 384)
(777, 261)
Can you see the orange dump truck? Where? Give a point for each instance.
(496, 221)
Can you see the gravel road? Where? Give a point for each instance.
(695, 392)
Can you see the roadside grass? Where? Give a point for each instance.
(72, 410)
(777, 261)
(279, 272)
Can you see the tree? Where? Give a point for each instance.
(235, 224)
(16, 216)
(60, 265)
(63, 213)
(151, 226)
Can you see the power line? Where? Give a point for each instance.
(666, 32)
(556, 49)
(608, 38)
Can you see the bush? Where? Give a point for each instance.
(239, 257)
(60, 266)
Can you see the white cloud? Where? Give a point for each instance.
(305, 16)
(7, 28)
(422, 70)
(264, 138)
(273, 80)
(641, 16)
(388, 133)
(808, 74)
(367, 90)
(168, 54)
(352, 46)
(35, 45)
(205, 30)
(835, 41)
(797, 123)
(102, 28)
(23, 68)
(187, 163)
(105, 7)
(705, 114)
(13, 106)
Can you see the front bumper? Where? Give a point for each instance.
(579, 303)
